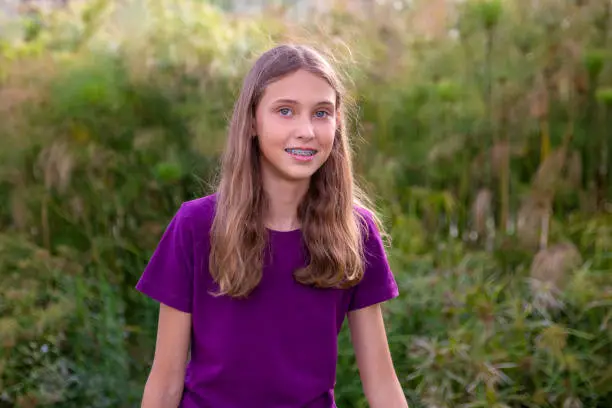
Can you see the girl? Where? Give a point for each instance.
(256, 280)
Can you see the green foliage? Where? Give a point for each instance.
(594, 61)
(488, 12)
(114, 114)
(36, 311)
(605, 96)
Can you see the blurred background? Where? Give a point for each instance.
(482, 128)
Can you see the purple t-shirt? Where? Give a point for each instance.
(278, 347)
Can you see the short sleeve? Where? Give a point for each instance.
(168, 276)
(378, 283)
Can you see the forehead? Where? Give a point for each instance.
(301, 86)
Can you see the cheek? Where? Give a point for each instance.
(273, 123)
(327, 133)
(270, 131)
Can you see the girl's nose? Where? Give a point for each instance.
(305, 130)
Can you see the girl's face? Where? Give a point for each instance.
(295, 122)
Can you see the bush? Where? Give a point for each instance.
(483, 147)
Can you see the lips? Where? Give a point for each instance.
(301, 151)
(301, 154)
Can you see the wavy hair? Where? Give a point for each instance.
(331, 226)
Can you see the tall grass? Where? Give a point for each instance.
(486, 146)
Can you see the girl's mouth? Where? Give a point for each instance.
(302, 154)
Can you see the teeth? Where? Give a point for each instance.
(301, 152)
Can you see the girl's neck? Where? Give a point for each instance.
(284, 198)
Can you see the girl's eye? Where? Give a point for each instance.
(321, 114)
(284, 111)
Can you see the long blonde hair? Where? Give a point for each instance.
(331, 227)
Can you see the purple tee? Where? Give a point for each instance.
(275, 349)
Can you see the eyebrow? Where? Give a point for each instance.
(294, 102)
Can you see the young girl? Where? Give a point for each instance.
(255, 281)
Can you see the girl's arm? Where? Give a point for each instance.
(380, 383)
(164, 386)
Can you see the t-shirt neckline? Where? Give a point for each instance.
(281, 232)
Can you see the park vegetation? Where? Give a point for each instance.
(487, 146)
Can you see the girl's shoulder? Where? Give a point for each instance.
(369, 223)
(169, 274)
(198, 212)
